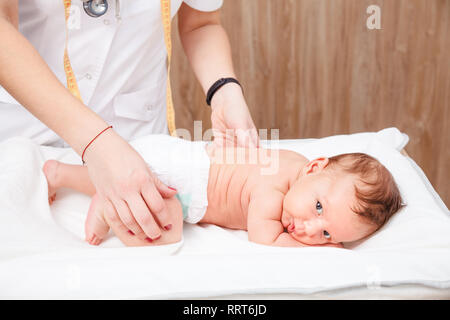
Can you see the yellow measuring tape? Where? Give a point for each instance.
(166, 18)
(70, 77)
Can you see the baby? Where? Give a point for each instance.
(322, 202)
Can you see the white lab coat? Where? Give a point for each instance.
(119, 64)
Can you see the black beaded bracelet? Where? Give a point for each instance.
(216, 86)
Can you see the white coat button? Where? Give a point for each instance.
(106, 22)
(88, 76)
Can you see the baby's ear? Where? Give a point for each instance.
(316, 165)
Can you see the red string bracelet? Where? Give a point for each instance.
(82, 156)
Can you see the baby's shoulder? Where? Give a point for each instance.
(290, 155)
(291, 162)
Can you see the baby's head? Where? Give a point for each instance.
(340, 199)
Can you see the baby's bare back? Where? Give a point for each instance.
(237, 173)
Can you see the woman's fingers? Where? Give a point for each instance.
(144, 216)
(254, 137)
(142, 210)
(128, 219)
(112, 216)
(172, 236)
(165, 191)
(245, 138)
(156, 204)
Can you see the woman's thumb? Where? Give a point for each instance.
(164, 190)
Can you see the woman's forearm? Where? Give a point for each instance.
(208, 49)
(26, 76)
(209, 53)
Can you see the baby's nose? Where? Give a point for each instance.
(313, 227)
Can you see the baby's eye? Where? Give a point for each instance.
(319, 207)
(326, 234)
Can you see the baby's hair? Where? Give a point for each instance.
(376, 192)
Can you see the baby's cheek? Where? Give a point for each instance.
(289, 203)
(298, 195)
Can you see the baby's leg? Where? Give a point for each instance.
(97, 226)
(62, 175)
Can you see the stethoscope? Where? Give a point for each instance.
(97, 8)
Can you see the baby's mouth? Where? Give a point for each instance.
(291, 227)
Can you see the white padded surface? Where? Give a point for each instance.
(43, 254)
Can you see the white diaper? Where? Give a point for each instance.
(180, 164)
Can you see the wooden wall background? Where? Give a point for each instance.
(311, 68)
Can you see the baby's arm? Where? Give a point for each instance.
(264, 221)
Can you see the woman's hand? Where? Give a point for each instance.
(231, 121)
(98, 225)
(129, 193)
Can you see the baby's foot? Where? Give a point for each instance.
(95, 227)
(50, 169)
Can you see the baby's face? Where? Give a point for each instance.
(317, 209)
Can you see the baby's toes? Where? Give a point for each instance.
(51, 198)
